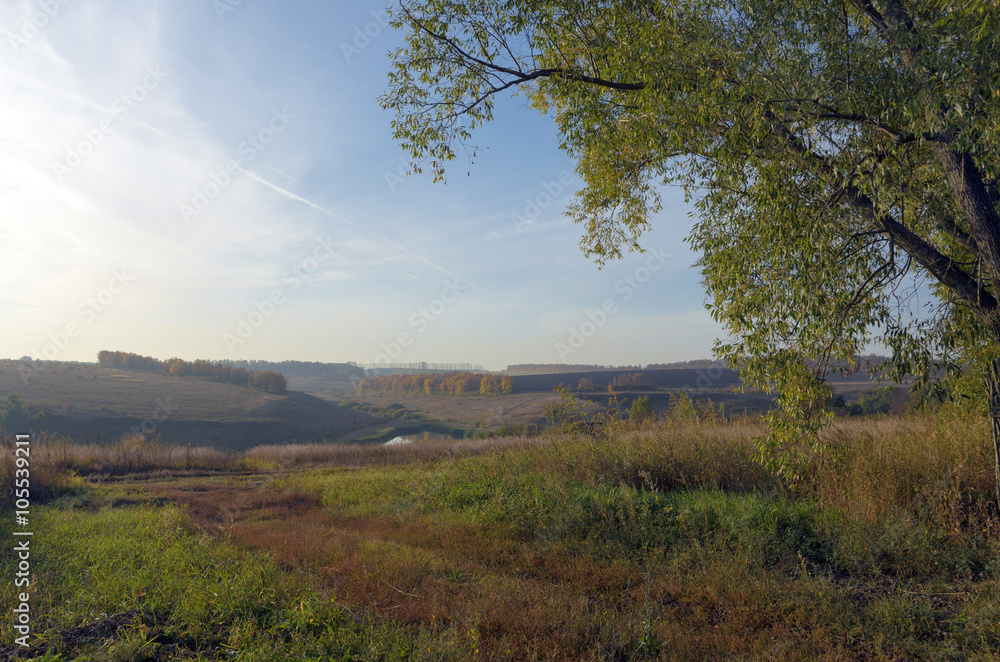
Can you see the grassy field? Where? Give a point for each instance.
(655, 541)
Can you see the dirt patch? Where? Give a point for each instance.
(418, 572)
(217, 507)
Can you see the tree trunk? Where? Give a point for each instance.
(993, 392)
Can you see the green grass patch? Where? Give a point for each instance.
(137, 583)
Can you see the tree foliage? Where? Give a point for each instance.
(14, 414)
(635, 380)
(842, 157)
(440, 383)
(640, 409)
(262, 380)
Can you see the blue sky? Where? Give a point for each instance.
(215, 179)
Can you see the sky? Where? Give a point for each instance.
(215, 179)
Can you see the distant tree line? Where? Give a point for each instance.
(262, 380)
(559, 368)
(447, 383)
(696, 363)
(635, 380)
(860, 363)
(333, 371)
(376, 369)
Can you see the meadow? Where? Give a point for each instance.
(661, 539)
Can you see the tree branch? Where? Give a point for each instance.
(960, 169)
(942, 267)
(519, 75)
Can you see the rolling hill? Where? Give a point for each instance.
(89, 402)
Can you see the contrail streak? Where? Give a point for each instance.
(34, 82)
(284, 174)
(361, 228)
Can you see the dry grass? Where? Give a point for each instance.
(46, 479)
(914, 497)
(667, 541)
(877, 464)
(300, 455)
(133, 454)
(58, 466)
(661, 540)
(664, 455)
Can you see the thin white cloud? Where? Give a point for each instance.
(361, 228)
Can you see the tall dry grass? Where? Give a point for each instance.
(57, 465)
(668, 536)
(45, 479)
(304, 455)
(930, 470)
(870, 465)
(926, 463)
(662, 539)
(132, 454)
(665, 455)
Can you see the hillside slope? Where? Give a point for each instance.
(87, 402)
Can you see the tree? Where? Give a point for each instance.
(14, 414)
(640, 409)
(843, 156)
(876, 400)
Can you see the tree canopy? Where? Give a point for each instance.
(842, 157)
(14, 414)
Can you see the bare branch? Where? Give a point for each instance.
(518, 75)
